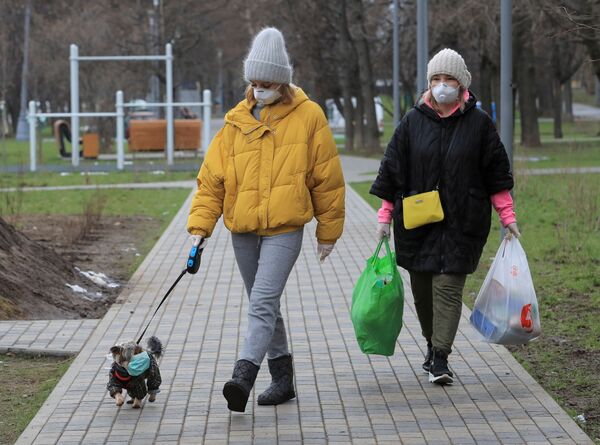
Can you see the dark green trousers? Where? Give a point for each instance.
(438, 300)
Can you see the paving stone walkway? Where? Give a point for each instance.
(343, 395)
(49, 337)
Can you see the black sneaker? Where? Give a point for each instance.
(439, 372)
(428, 357)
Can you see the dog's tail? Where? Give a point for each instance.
(155, 346)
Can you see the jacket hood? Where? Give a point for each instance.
(241, 115)
(429, 112)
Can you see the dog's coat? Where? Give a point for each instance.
(137, 386)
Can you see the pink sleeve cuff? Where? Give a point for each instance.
(503, 204)
(384, 214)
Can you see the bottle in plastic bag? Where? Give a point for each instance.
(506, 309)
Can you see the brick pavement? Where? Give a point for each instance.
(51, 337)
(343, 395)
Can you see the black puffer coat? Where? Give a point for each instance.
(475, 168)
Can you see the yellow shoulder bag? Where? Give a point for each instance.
(425, 208)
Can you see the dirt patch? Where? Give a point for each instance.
(48, 253)
(569, 373)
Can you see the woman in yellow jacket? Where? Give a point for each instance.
(270, 169)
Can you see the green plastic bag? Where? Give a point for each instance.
(378, 304)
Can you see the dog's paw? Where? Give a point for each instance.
(119, 399)
(137, 403)
(151, 397)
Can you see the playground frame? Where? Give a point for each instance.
(120, 105)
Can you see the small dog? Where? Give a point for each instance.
(138, 374)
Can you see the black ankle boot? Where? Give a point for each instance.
(237, 390)
(439, 372)
(282, 382)
(428, 357)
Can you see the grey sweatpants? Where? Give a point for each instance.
(265, 263)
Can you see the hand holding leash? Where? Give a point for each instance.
(193, 262)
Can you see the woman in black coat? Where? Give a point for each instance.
(447, 143)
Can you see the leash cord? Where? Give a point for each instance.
(162, 301)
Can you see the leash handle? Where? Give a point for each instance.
(193, 262)
(161, 302)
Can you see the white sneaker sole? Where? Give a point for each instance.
(443, 379)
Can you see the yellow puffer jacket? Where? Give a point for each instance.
(273, 176)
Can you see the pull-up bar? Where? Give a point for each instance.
(74, 114)
(75, 58)
(119, 114)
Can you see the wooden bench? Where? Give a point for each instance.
(150, 135)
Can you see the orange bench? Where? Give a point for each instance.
(150, 135)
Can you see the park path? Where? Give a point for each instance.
(344, 396)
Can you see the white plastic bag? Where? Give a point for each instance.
(506, 310)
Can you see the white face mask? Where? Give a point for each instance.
(444, 94)
(266, 96)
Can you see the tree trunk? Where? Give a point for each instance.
(346, 67)
(355, 17)
(545, 94)
(359, 127)
(568, 101)
(530, 133)
(486, 85)
(557, 108)
(347, 110)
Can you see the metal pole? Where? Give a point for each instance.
(422, 46)
(22, 122)
(120, 130)
(396, 67)
(170, 129)
(206, 99)
(32, 142)
(74, 104)
(506, 97)
(506, 93)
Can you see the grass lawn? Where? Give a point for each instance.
(581, 96)
(558, 218)
(16, 153)
(26, 383)
(44, 179)
(572, 131)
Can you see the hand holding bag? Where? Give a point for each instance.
(506, 310)
(378, 304)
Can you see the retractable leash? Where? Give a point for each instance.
(192, 266)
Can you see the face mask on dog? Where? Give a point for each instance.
(139, 364)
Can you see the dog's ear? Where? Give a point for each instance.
(116, 350)
(138, 349)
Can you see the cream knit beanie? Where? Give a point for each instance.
(268, 60)
(448, 61)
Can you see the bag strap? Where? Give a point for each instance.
(448, 151)
(382, 241)
(437, 184)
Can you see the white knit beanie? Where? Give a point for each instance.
(448, 61)
(268, 60)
